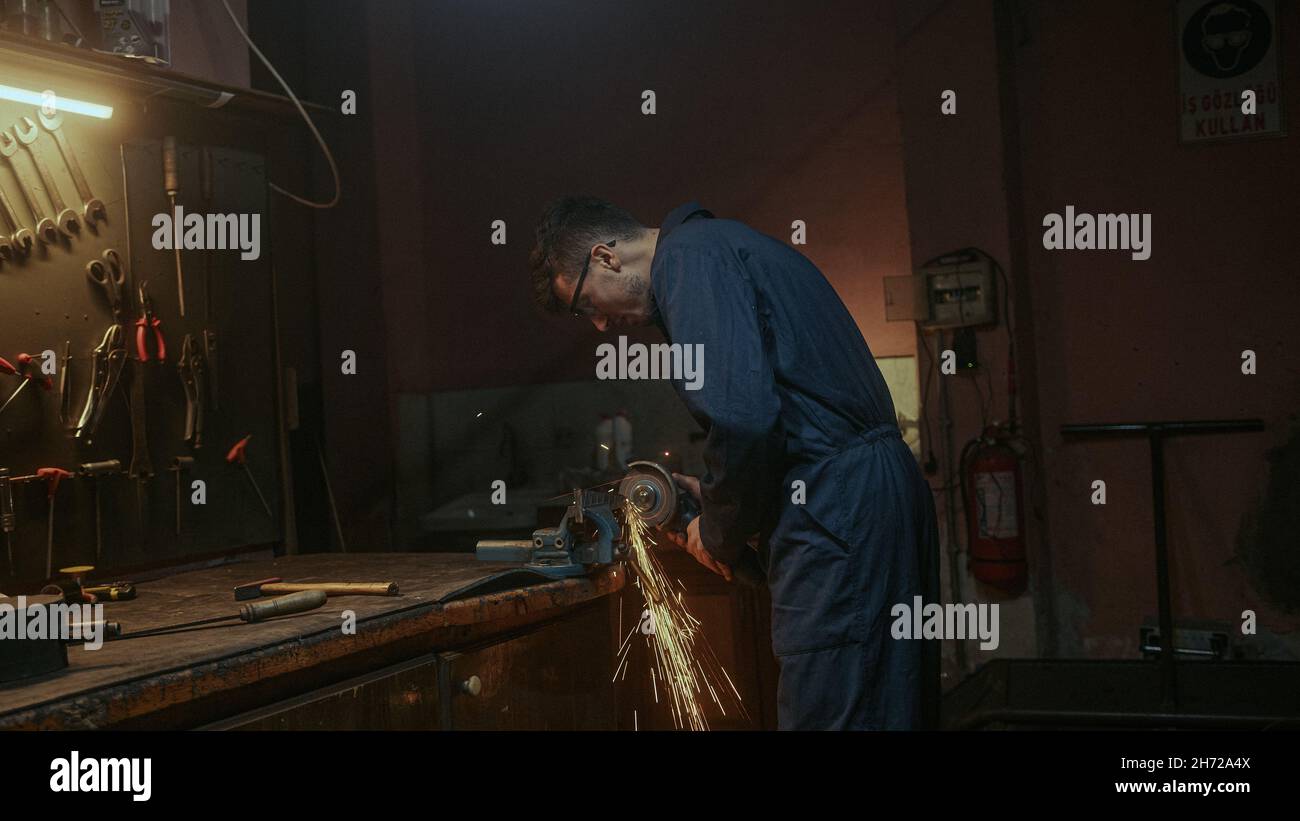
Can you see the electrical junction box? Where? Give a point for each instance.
(138, 28)
(953, 291)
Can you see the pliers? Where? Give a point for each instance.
(146, 321)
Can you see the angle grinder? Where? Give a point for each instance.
(660, 501)
(651, 490)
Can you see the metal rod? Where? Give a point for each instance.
(1168, 668)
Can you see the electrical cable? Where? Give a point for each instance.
(334, 169)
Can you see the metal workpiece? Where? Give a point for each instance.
(92, 208)
(46, 230)
(67, 220)
(23, 238)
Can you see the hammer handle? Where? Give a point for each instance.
(334, 588)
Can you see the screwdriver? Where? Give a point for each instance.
(24, 366)
(238, 456)
(172, 185)
(256, 611)
(52, 476)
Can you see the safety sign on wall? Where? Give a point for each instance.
(1227, 48)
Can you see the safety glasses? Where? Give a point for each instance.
(577, 289)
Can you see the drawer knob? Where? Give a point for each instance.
(471, 686)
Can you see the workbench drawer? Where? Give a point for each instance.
(402, 697)
(557, 677)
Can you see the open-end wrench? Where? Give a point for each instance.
(23, 238)
(91, 208)
(27, 132)
(45, 227)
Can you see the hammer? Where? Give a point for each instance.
(275, 586)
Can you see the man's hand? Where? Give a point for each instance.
(692, 485)
(690, 542)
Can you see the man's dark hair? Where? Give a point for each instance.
(569, 227)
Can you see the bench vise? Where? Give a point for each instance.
(591, 532)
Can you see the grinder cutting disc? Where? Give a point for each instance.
(651, 490)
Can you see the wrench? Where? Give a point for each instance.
(92, 208)
(45, 227)
(23, 237)
(27, 133)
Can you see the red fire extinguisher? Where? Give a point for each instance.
(995, 520)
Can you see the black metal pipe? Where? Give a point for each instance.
(1156, 433)
(1168, 670)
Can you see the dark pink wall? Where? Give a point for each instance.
(1116, 339)
(765, 115)
(1120, 339)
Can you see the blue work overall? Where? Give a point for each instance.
(803, 448)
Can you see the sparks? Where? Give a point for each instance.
(683, 659)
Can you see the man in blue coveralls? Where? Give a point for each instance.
(790, 395)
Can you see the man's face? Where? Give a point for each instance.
(613, 294)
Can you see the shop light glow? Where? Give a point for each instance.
(64, 104)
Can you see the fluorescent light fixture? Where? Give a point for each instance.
(64, 104)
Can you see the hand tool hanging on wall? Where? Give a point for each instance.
(110, 275)
(7, 368)
(52, 477)
(255, 612)
(6, 247)
(141, 467)
(106, 367)
(94, 471)
(91, 207)
(205, 194)
(172, 185)
(8, 522)
(144, 323)
(23, 237)
(66, 218)
(180, 464)
(46, 230)
(24, 369)
(107, 360)
(211, 363)
(65, 397)
(193, 378)
(211, 368)
(238, 455)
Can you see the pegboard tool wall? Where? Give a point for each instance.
(47, 299)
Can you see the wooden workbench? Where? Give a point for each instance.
(543, 651)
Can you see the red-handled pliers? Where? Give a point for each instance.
(146, 321)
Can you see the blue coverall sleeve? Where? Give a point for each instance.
(706, 298)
